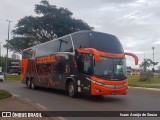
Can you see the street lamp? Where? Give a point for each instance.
(7, 43)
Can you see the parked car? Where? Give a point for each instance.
(1, 77)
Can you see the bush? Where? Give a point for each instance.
(146, 77)
(4, 94)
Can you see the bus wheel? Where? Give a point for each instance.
(28, 83)
(72, 89)
(33, 85)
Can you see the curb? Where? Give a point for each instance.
(38, 107)
(35, 105)
(27, 101)
(153, 89)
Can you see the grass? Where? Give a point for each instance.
(4, 94)
(12, 77)
(133, 81)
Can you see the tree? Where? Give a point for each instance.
(147, 75)
(51, 22)
(153, 64)
(3, 63)
(158, 67)
(145, 64)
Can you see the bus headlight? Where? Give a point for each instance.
(126, 84)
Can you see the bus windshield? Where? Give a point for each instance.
(110, 68)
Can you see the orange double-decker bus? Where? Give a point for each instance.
(85, 62)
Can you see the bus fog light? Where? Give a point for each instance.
(126, 84)
(97, 90)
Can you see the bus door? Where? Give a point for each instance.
(85, 68)
(60, 74)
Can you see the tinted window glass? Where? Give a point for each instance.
(55, 46)
(113, 69)
(87, 64)
(47, 48)
(65, 44)
(81, 40)
(27, 53)
(106, 43)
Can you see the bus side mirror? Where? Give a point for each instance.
(134, 56)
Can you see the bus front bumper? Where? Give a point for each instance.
(108, 89)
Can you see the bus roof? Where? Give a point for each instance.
(91, 39)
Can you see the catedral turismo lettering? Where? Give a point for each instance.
(47, 59)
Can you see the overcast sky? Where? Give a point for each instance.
(135, 22)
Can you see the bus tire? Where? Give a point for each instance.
(28, 83)
(72, 90)
(33, 85)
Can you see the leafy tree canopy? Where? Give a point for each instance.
(147, 63)
(3, 63)
(51, 22)
(147, 75)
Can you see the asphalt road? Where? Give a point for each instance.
(53, 100)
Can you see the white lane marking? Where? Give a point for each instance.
(15, 95)
(43, 107)
(155, 89)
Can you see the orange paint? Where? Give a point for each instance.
(23, 68)
(111, 55)
(97, 54)
(91, 51)
(108, 91)
(134, 56)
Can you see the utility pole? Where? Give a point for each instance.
(7, 44)
(153, 55)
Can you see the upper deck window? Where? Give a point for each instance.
(65, 44)
(47, 48)
(106, 43)
(81, 40)
(27, 53)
